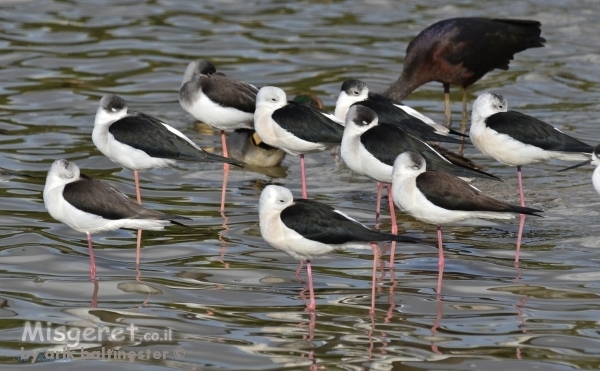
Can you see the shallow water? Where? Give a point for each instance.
(231, 301)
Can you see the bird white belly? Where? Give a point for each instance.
(133, 159)
(275, 136)
(410, 200)
(81, 221)
(359, 160)
(291, 242)
(507, 150)
(217, 116)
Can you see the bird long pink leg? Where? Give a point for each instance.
(378, 208)
(225, 171)
(92, 261)
(447, 111)
(522, 216)
(312, 305)
(440, 259)
(463, 121)
(303, 175)
(138, 194)
(394, 224)
(374, 282)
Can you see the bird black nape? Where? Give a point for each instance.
(460, 51)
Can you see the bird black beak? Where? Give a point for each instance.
(575, 166)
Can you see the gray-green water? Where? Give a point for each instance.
(231, 301)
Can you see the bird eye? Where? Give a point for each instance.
(416, 167)
(274, 100)
(113, 109)
(355, 92)
(281, 201)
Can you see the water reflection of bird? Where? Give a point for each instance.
(516, 139)
(459, 51)
(305, 229)
(595, 160)
(297, 129)
(91, 206)
(438, 197)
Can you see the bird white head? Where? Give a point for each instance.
(274, 199)
(360, 119)
(488, 104)
(271, 97)
(62, 172)
(408, 164)
(199, 67)
(110, 109)
(352, 91)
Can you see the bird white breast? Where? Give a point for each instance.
(124, 155)
(409, 199)
(217, 116)
(341, 106)
(81, 221)
(276, 136)
(361, 161)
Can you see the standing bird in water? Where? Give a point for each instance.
(140, 142)
(459, 51)
(218, 101)
(305, 229)
(516, 139)
(438, 197)
(91, 206)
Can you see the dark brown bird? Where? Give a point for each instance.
(459, 51)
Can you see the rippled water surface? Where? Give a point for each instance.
(231, 301)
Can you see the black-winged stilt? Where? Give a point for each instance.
(438, 197)
(306, 229)
(516, 139)
(90, 206)
(218, 101)
(370, 148)
(392, 112)
(295, 128)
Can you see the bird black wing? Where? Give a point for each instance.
(320, 222)
(99, 198)
(529, 130)
(150, 135)
(385, 142)
(229, 92)
(387, 112)
(449, 192)
(308, 123)
(482, 45)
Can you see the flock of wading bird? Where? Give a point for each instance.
(379, 137)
